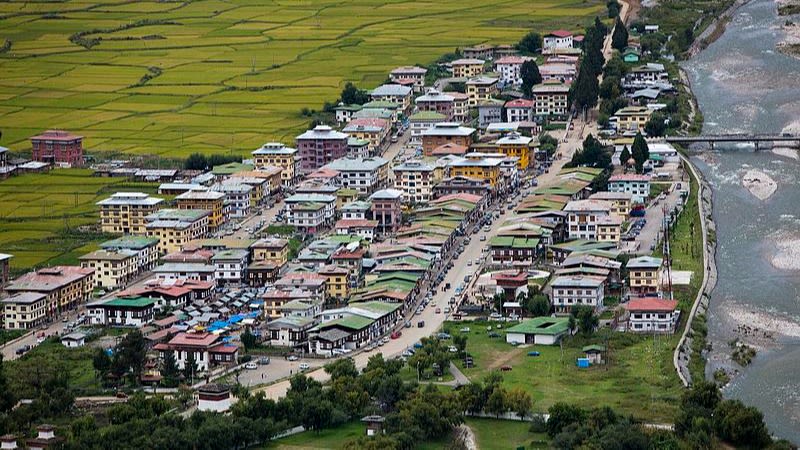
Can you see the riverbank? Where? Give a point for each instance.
(714, 30)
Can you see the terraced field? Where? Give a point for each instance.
(175, 77)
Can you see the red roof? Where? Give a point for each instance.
(505, 276)
(630, 177)
(472, 198)
(513, 60)
(193, 340)
(224, 348)
(404, 81)
(344, 254)
(652, 305)
(450, 149)
(323, 172)
(560, 33)
(356, 223)
(519, 103)
(368, 122)
(57, 135)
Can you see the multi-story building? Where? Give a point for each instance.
(230, 265)
(583, 217)
(311, 212)
(363, 228)
(271, 249)
(112, 269)
(358, 148)
(125, 212)
(460, 106)
(480, 51)
(122, 312)
(644, 274)
(279, 155)
(259, 191)
(365, 175)
(145, 248)
(320, 146)
(24, 310)
(490, 111)
(551, 100)
(462, 185)
(609, 229)
(422, 121)
(438, 102)
(484, 169)
(509, 68)
(514, 145)
(5, 268)
(66, 287)
(519, 110)
(356, 210)
(621, 202)
(174, 228)
(394, 93)
(211, 201)
(467, 67)
(57, 146)
(636, 185)
(558, 39)
(631, 118)
(479, 89)
(415, 179)
(570, 291)
(557, 72)
(238, 197)
(185, 271)
(374, 131)
(652, 315)
(446, 133)
(207, 350)
(336, 284)
(387, 209)
(409, 76)
(646, 74)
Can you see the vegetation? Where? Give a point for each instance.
(529, 72)
(619, 39)
(640, 152)
(530, 44)
(199, 161)
(351, 95)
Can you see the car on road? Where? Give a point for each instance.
(251, 366)
(486, 228)
(264, 360)
(408, 324)
(304, 366)
(396, 334)
(438, 311)
(483, 237)
(23, 349)
(292, 358)
(495, 316)
(421, 324)
(469, 262)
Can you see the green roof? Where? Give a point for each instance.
(348, 108)
(130, 242)
(379, 307)
(594, 347)
(584, 245)
(513, 242)
(351, 322)
(380, 104)
(427, 115)
(542, 325)
(131, 302)
(231, 168)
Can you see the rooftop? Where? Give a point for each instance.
(391, 90)
(348, 164)
(130, 302)
(49, 279)
(130, 198)
(542, 325)
(651, 304)
(644, 262)
(578, 281)
(130, 242)
(322, 132)
(274, 148)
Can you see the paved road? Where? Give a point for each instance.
(9, 350)
(650, 234)
(277, 369)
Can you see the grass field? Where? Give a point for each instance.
(49, 218)
(334, 438)
(503, 435)
(639, 380)
(175, 77)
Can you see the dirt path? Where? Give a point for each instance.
(502, 359)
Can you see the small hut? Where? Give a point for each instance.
(594, 353)
(374, 424)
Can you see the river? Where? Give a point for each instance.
(743, 84)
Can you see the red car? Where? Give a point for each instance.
(505, 368)
(396, 335)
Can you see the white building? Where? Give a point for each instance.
(652, 315)
(558, 39)
(214, 397)
(584, 216)
(637, 185)
(230, 265)
(409, 76)
(509, 69)
(415, 179)
(237, 197)
(394, 93)
(122, 312)
(186, 271)
(423, 121)
(569, 291)
(310, 211)
(551, 99)
(365, 175)
(519, 110)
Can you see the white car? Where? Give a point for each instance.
(452, 349)
(251, 366)
(292, 358)
(304, 366)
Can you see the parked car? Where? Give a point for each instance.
(452, 349)
(304, 366)
(396, 334)
(264, 360)
(421, 324)
(438, 311)
(251, 366)
(292, 358)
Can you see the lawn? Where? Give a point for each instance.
(505, 434)
(50, 218)
(334, 438)
(75, 362)
(639, 379)
(172, 78)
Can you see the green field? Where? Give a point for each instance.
(51, 218)
(174, 77)
(639, 380)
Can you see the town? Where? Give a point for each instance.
(476, 212)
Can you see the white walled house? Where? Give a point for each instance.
(569, 291)
(652, 315)
(558, 39)
(584, 217)
(637, 185)
(230, 265)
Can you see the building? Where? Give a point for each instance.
(514, 250)
(122, 312)
(5, 268)
(112, 268)
(365, 175)
(125, 212)
(344, 113)
(206, 349)
(358, 148)
(462, 185)
(271, 249)
(24, 310)
(387, 209)
(489, 111)
(646, 74)
(185, 271)
(409, 76)
(320, 146)
(395, 93)
(174, 293)
(539, 330)
(446, 133)
(519, 110)
(609, 229)
(66, 287)
(467, 67)
(569, 291)
(214, 397)
(480, 89)
(631, 118)
(422, 121)
(480, 51)
(356, 210)
(435, 101)
(57, 146)
(174, 228)
(415, 179)
(558, 72)
(652, 315)
(509, 69)
(583, 217)
(486, 170)
(460, 106)
(514, 145)
(211, 201)
(636, 185)
(278, 155)
(238, 197)
(551, 100)
(644, 274)
(73, 340)
(363, 228)
(45, 439)
(353, 326)
(621, 202)
(374, 131)
(310, 212)
(336, 283)
(558, 39)
(179, 188)
(230, 265)
(290, 331)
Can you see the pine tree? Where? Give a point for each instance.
(619, 40)
(585, 89)
(624, 156)
(169, 370)
(640, 152)
(190, 367)
(529, 72)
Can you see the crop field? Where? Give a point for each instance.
(174, 77)
(51, 218)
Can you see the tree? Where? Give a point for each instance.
(538, 305)
(248, 339)
(519, 401)
(341, 368)
(190, 367)
(530, 43)
(496, 403)
(624, 156)
(585, 90)
(615, 67)
(740, 425)
(196, 161)
(656, 125)
(7, 399)
(586, 319)
(351, 95)
(169, 370)
(498, 300)
(460, 342)
(613, 9)
(101, 362)
(640, 152)
(610, 87)
(619, 39)
(561, 415)
(529, 72)
(316, 414)
(548, 144)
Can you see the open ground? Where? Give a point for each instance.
(174, 77)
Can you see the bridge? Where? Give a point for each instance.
(755, 138)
